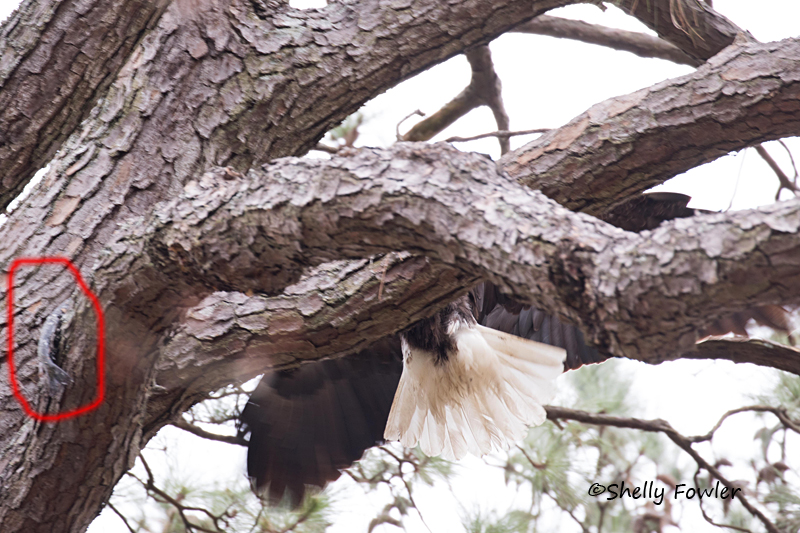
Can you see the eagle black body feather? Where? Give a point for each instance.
(308, 423)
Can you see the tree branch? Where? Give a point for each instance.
(468, 217)
(692, 26)
(332, 311)
(658, 426)
(484, 89)
(202, 433)
(641, 44)
(783, 179)
(150, 486)
(122, 516)
(500, 134)
(54, 67)
(780, 413)
(741, 350)
(221, 86)
(747, 95)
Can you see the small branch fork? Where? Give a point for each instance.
(703, 510)
(220, 521)
(385, 476)
(787, 183)
(484, 89)
(485, 86)
(685, 443)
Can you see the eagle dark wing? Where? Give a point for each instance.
(649, 210)
(307, 424)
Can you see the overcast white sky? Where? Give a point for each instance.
(546, 82)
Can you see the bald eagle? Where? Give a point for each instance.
(469, 378)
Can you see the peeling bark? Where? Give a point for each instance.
(658, 287)
(57, 59)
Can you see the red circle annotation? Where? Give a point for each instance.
(101, 385)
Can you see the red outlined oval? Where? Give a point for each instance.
(101, 378)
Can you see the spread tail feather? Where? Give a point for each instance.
(484, 395)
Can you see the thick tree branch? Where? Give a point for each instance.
(641, 44)
(747, 95)
(333, 311)
(656, 288)
(704, 23)
(57, 58)
(227, 86)
(220, 86)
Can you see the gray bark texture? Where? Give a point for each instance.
(172, 133)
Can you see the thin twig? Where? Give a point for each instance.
(785, 181)
(780, 413)
(504, 134)
(200, 432)
(571, 514)
(397, 128)
(150, 486)
(736, 184)
(537, 466)
(322, 147)
(111, 506)
(791, 159)
(703, 510)
(658, 426)
(411, 495)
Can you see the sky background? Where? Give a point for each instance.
(546, 82)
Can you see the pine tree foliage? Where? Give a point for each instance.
(555, 465)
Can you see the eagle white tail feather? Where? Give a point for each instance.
(484, 396)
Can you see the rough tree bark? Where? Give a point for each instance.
(209, 275)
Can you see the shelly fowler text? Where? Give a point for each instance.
(656, 494)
